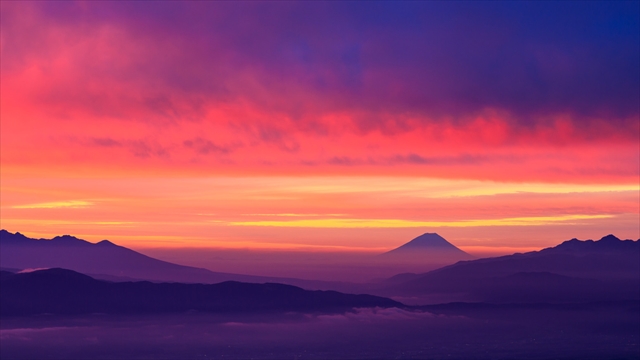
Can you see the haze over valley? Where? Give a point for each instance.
(490, 304)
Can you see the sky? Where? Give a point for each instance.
(320, 126)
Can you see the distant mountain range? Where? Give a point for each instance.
(574, 271)
(607, 269)
(60, 291)
(108, 261)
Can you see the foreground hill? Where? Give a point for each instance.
(108, 261)
(61, 291)
(603, 270)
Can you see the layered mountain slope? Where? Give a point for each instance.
(575, 270)
(109, 261)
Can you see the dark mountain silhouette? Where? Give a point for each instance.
(61, 291)
(5, 274)
(108, 261)
(427, 241)
(428, 248)
(607, 244)
(607, 269)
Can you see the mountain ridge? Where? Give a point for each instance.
(112, 261)
(427, 248)
(429, 241)
(599, 270)
(66, 292)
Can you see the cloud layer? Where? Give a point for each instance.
(320, 87)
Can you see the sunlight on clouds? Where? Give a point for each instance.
(421, 187)
(295, 215)
(68, 222)
(56, 204)
(478, 188)
(397, 223)
(226, 211)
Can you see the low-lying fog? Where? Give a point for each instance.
(365, 333)
(327, 266)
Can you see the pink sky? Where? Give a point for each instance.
(312, 126)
